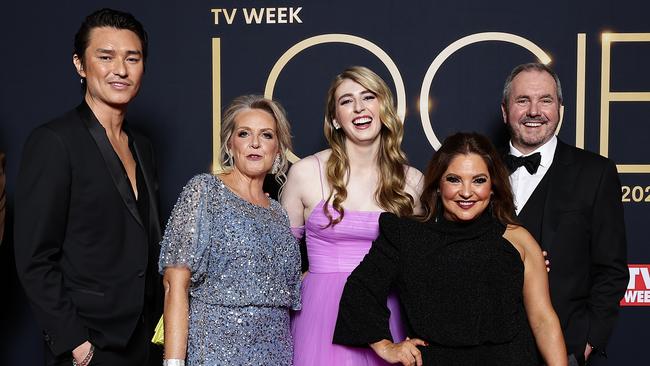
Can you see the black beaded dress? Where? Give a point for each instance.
(460, 285)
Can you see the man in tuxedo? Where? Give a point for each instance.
(570, 201)
(86, 219)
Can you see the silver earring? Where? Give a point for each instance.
(276, 164)
(336, 125)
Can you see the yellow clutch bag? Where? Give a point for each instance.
(159, 334)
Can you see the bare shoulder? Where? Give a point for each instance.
(323, 155)
(522, 240)
(517, 233)
(303, 181)
(305, 170)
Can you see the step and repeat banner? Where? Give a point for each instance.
(445, 61)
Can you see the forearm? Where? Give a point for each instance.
(176, 319)
(550, 341)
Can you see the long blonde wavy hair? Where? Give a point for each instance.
(390, 194)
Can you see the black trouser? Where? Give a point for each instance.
(138, 352)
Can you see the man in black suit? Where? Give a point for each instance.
(86, 219)
(570, 201)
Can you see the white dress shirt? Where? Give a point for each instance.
(524, 183)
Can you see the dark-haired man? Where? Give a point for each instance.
(570, 201)
(86, 222)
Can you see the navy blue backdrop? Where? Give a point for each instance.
(204, 53)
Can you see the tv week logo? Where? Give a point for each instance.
(638, 289)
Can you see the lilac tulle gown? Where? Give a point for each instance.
(334, 252)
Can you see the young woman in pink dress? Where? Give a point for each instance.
(334, 197)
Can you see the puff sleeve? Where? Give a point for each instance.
(187, 235)
(363, 314)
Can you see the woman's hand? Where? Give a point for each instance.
(404, 352)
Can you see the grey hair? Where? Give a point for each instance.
(283, 130)
(531, 66)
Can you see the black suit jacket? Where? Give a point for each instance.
(86, 259)
(579, 221)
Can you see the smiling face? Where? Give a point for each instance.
(254, 143)
(357, 112)
(112, 66)
(532, 112)
(465, 188)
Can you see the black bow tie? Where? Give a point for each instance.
(530, 162)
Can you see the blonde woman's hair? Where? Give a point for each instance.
(390, 194)
(283, 130)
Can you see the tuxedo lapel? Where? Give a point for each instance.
(112, 161)
(560, 186)
(531, 215)
(147, 168)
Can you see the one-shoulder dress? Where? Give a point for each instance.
(333, 253)
(245, 275)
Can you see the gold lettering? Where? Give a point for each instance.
(228, 16)
(607, 96)
(216, 105)
(270, 15)
(338, 38)
(282, 15)
(253, 14)
(455, 46)
(216, 15)
(293, 15)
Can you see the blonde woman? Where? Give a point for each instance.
(335, 197)
(231, 266)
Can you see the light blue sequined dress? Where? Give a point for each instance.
(245, 275)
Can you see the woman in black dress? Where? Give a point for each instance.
(472, 282)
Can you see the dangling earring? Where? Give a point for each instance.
(336, 125)
(276, 164)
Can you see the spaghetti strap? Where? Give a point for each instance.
(320, 175)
